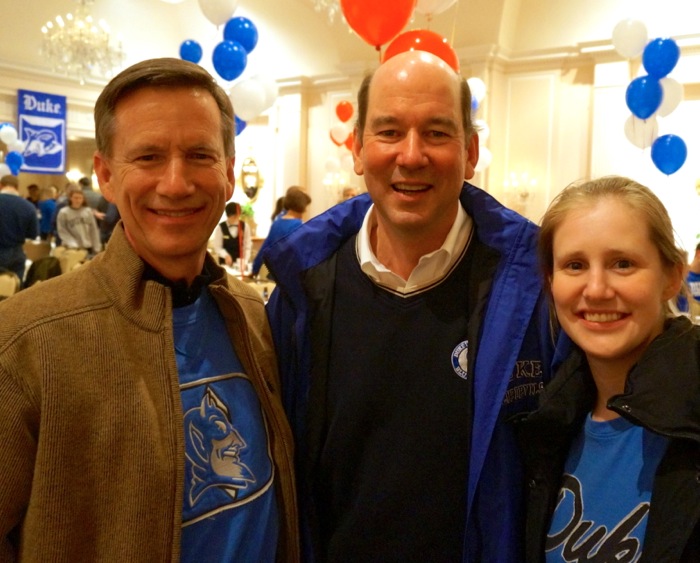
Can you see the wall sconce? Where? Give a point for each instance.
(250, 178)
(520, 185)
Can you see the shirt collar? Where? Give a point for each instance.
(431, 268)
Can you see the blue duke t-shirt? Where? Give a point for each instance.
(604, 501)
(229, 509)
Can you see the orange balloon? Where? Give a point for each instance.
(349, 141)
(344, 110)
(377, 21)
(423, 40)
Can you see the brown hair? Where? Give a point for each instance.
(233, 208)
(75, 189)
(9, 180)
(159, 73)
(296, 199)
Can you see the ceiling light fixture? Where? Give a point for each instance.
(77, 46)
(331, 7)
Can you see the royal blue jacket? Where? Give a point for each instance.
(300, 309)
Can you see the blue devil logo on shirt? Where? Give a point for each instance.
(213, 449)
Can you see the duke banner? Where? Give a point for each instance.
(42, 127)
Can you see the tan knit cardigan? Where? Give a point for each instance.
(91, 425)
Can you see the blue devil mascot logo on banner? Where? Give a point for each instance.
(42, 128)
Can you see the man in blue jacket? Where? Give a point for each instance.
(410, 326)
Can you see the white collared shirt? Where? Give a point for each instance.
(431, 268)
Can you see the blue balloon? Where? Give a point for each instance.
(240, 125)
(230, 59)
(191, 51)
(14, 161)
(660, 57)
(669, 153)
(242, 30)
(644, 95)
(475, 104)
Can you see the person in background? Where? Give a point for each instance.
(110, 217)
(47, 208)
(76, 224)
(410, 325)
(693, 277)
(140, 410)
(279, 210)
(296, 200)
(92, 198)
(61, 202)
(18, 223)
(33, 194)
(612, 453)
(348, 192)
(232, 241)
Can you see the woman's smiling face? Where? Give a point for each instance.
(609, 284)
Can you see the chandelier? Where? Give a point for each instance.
(77, 46)
(331, 7)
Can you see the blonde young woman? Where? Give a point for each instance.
(613, 452)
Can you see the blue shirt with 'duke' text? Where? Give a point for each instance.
(604, 501)
(229, 508)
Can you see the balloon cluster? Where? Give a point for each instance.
(652, 95)
(380, 22)
(341, 133)
(15, 149)
(478, 91)
(250, 96)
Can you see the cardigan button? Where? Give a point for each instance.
(625, 407)
(532, 483)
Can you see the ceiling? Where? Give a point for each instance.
(295, 40)
(293, 37)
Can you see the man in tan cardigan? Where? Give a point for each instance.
(140, 414)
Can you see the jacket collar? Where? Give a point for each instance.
(143, 299)
(662, 392)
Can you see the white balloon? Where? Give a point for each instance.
(332, 164)
(17, 146)
(641, 132)
(269, 84)
(218, 12)
(4, 169)
(630, 37)
(477, 88)
(673, 94)
(483, 129)
(485, 158)
(248, 98)
(8, 134)
(430, 7)
(340, 133)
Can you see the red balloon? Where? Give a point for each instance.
(344, 110)
(349, 141)
(423, 40)
(377, 21)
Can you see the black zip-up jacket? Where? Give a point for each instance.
(662, 394)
